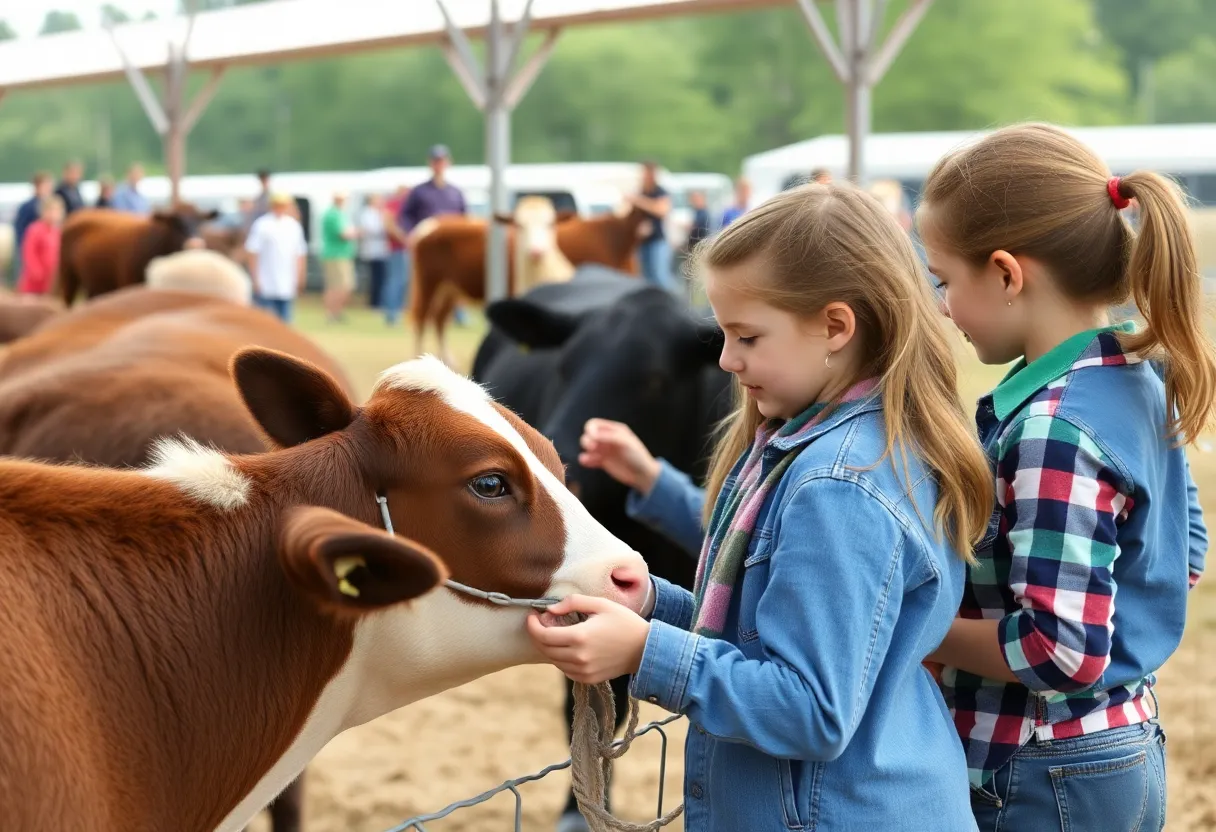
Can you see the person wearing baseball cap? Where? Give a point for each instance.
(432, 198)
(277, 257)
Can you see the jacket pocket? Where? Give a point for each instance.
(799, 792)
(1114, 790)
(753, 582)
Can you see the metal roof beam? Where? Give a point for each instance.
(858, 62)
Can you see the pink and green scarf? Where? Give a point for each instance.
(734, 516)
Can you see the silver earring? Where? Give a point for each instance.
(826, 361)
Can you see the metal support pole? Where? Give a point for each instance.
(174, 138)
(496, 89)
(900, 32)
(854, 29)
(859, 62)
(523, 79)
(498, 156)
(202, 99)
(171, 118)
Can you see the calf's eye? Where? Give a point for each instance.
(489, 486)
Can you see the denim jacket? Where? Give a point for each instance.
(814, 711)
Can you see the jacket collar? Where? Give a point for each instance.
(863, 397)
(1085, 349)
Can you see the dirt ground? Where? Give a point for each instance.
(455, 745)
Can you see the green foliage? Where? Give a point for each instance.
(57, 21)
(113, 14)
(698, 93)
(1184, 88)
(1149, 30)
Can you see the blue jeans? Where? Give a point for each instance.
(396, 286)
(654, 258)
(276, 306)
(1111, 781)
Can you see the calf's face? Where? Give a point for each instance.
(535, 223)
(466, 482)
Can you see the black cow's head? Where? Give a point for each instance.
(642, 361)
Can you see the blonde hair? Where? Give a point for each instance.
(1035, 190)
(832, 242)
(52, 201)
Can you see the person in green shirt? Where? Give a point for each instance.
(338, 248)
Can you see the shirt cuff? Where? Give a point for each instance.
(662, 676)
(672, 604)
(663, 498)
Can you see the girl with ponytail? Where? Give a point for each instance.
(1048, 677)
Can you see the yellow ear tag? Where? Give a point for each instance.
(343, 566)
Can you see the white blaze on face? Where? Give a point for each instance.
(591, 551)
(537, 221)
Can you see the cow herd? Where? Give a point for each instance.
(197, 588)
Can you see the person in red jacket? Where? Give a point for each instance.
(40, 249)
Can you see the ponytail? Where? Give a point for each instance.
(1163, 276)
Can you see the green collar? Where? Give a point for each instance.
(1024, 380)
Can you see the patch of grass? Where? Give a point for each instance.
(366, 345)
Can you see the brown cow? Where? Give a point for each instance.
(177, 642)
(22, 314)
(105, 380)
(103, 250)
(101, 382)
(449, 262)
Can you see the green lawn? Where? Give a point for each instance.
(366, 345)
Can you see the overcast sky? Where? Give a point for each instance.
(26, 16)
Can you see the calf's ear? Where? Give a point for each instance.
(347, 566)
(292, 400)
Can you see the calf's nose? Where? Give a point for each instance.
(629, 584)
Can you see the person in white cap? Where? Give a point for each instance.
(277, 258)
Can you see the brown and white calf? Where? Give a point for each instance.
(177, 642)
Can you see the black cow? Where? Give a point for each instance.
(610, 347)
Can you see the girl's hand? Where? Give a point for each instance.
(616, 449)
(608, 644)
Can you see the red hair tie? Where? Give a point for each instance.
(1112, 188)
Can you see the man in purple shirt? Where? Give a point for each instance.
(430, 199)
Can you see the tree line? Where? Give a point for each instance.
(697, 93)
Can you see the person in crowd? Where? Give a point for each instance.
(278, 258)
(40, 249)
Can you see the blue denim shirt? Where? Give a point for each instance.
(814, 711)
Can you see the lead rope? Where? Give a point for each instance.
(592, 753)
(592, 747)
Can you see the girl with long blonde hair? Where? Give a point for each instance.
(844, 497)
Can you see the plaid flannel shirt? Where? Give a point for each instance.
(1046, 568)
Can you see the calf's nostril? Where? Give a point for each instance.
(625, 580)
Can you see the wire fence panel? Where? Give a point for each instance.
(416, 823)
